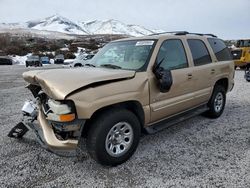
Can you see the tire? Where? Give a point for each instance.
(99, 139)
(217, 102)
(243, 67)
(247, 78)
(78, 65)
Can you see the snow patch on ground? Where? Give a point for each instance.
(20, 60)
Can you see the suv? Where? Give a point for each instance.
(45, 60)
(81, 60)
(33, 60)
(59, 59)
(5, 60)
(133, 85)
(241, 54)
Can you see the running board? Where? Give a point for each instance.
(155, 127)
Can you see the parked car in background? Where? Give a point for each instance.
(5, 60)
(45, 60)
(68, 62)
(33, 60)
(81, 60)
(59, 59)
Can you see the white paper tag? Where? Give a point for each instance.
(145, 43)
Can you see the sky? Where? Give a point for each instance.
(228, 19)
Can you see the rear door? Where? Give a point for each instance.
(203, 70)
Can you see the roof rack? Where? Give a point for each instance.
(212, 35)
(184, 33)
(171, 32)
(203, 34)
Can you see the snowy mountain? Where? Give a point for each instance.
(114, 27)
(56, 23)
(60, 24)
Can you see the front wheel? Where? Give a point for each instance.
(113, 137)
(217, 102)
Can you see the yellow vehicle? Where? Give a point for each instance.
(241, 54)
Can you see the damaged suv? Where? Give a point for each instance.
(131, 85)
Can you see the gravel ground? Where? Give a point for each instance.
(199, 152)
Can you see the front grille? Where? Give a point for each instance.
(44, 103)
(236, 54)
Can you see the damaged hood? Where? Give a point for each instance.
(59, 83)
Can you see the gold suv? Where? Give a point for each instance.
(135, 84)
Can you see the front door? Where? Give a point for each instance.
(172, 56)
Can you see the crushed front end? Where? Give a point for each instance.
(54, 122)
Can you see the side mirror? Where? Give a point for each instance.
(164, 78)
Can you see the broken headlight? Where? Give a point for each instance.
(61, 111)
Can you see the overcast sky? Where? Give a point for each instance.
(229, 19)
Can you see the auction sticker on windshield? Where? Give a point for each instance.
(145, 43)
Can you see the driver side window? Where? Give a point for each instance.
(172, 55)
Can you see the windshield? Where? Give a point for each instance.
(60, 56)
(243, 43)
(44, 58)
(90, 56)
(84, 56)
(131, 55)
(33, 58)
(81, 57)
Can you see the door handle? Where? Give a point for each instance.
(212, 71)
(189, 75)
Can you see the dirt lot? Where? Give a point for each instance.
(199, 152)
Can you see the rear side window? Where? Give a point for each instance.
(172, 55)
(199, 52)
(221, 51)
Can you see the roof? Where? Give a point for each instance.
(171, 34)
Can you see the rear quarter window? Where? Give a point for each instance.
(220, 50)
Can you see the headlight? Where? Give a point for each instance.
(59, 108)
(61, 118)
(61, 112)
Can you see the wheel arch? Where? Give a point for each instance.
(78, 65)
(133, 106)
(223, 82)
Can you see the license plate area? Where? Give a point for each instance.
(29, 108)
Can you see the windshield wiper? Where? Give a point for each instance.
(89, 65)
(111, 66)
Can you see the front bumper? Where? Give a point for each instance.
(44, 130)
(49, 136)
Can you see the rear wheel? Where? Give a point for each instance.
(113, 137)
(217, 102)
(243, 67)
